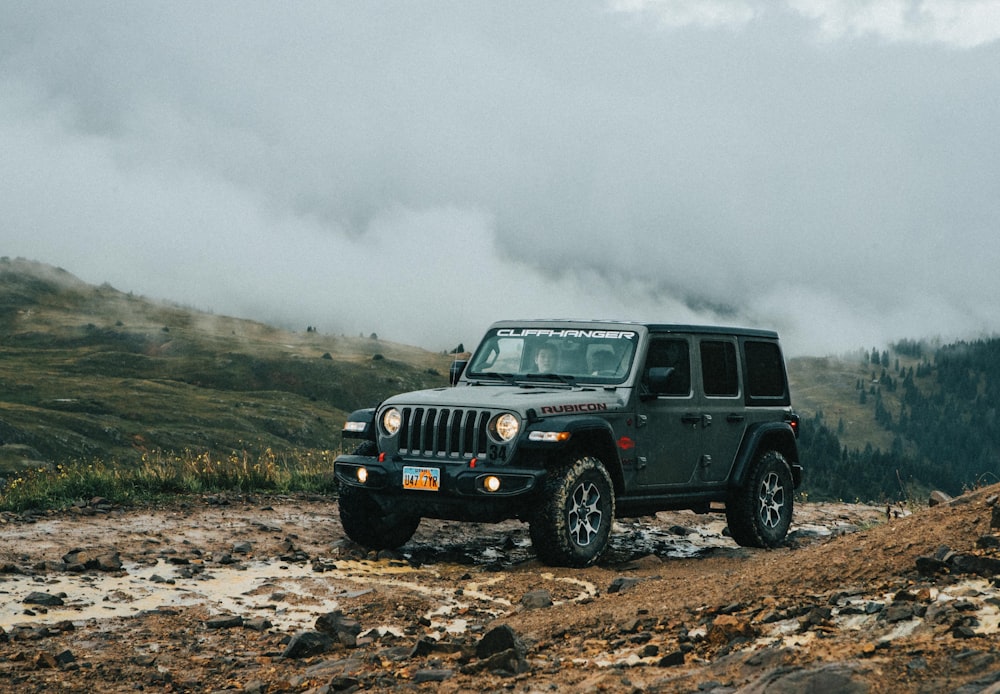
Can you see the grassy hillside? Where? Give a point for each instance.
(91, 372)
(829, 386)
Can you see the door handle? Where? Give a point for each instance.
(735, 418)
(689, 418)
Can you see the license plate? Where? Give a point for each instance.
(425, 478)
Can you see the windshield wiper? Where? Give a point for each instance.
(496, 375)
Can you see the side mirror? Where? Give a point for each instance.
(658, 379)
(456, 370)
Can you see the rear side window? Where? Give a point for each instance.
(719, 373)
(765, 370)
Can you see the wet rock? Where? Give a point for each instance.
(29, 632)
(498, 640)
(343, 683)
(899, 612)
(258, 624)
(963, 632)
(224, 622)
(672, 659)
(817, 616)
(973, 564)
(80, 560)
(44, 599)
(536, 599)
(843, 678)
(622, 584)
(291, 553)
(307, 643)
(505, 663)
(345, 629)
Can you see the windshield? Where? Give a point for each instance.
(568, 355)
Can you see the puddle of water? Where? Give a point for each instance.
(252, 590)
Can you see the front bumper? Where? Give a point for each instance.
(460, 493)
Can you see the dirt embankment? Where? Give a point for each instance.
(265, 595)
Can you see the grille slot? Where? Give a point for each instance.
(443, 432)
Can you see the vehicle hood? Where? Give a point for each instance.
(544, 400)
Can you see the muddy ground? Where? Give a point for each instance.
(264, 594)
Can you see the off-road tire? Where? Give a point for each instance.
(573, 524)
(364, 520)
(760, 511)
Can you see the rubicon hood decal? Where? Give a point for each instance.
(571, 408)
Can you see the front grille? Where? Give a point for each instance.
(443, 433)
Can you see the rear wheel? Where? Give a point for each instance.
(760, 512)
(573, 525)
(364, 520)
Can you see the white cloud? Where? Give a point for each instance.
(956, 23)
(961, 24)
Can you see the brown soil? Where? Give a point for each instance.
(675, 606)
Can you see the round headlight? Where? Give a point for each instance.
(391, 420)
(506, 426)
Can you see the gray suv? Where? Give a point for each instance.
(567, 425)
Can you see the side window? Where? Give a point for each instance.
(719, 374)
(765, 370)
(673, 353)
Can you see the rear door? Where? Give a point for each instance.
(721, 406)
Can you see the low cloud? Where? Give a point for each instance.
(420, 173)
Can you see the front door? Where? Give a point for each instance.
(669, 433)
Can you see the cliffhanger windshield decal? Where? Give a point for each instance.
(547, 332)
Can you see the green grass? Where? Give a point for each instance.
(161, 475)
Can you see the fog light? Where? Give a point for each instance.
(362, 475)
(491, 483)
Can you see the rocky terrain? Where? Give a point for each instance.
(265, 595)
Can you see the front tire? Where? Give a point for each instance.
(760, 512)
(364, 520)
(573, 525)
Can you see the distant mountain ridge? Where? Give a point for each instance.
(92, 372)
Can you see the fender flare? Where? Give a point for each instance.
(771, 436)
(587, 428)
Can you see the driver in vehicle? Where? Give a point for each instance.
(545, 359)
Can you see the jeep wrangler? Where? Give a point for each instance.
(567, 425)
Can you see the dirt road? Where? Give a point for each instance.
(265, 595)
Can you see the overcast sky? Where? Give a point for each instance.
(826, 168)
